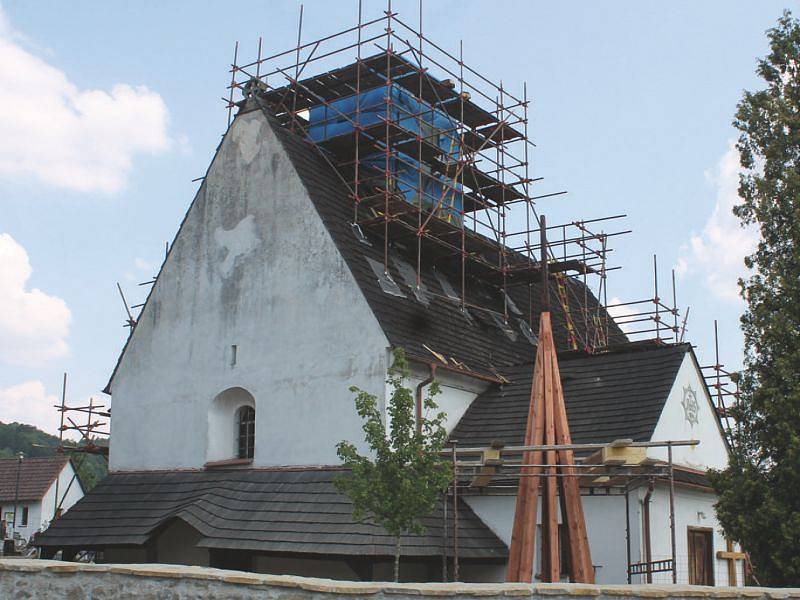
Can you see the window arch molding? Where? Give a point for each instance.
(225, 425)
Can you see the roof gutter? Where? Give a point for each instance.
(422, 384)
(450, 369)
(648, 551)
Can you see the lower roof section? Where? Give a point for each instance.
(608, 396)
(281, 510)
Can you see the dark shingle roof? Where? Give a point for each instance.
(608, 396)
(691, 477)
(296, 511)
(477, 341)
(35, 477)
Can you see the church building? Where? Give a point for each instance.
(339, 220)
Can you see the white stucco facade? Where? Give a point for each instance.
(456, 392)
(694, 508)
(605, 523)
(253, 295)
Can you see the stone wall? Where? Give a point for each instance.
(46, 579)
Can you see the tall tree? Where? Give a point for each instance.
(403, 477)
(759, 493)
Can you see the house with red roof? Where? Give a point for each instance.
(36, 491)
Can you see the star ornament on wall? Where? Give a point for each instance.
(691, 408)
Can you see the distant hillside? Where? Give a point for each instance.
(32, 442)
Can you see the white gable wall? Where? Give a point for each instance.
(252, 266)
(457, 392)
(673, 424)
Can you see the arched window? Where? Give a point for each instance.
(231, 425)
(247, 431)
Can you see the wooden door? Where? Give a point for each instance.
(701, 556)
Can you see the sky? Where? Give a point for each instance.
(109, 110)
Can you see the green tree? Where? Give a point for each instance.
(32, 442)
(403, 477)
(759, 499)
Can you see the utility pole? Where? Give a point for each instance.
(16, 496)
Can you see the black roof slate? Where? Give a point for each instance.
(608, 396)
(298, 511)
(692, 478)
(477, 341)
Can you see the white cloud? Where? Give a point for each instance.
(33, 325)
(142, 269)
(83, 140)
(29, 403)
(621, 314)
(717, 253)
(142, 264)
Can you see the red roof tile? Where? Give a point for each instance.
(36, 475)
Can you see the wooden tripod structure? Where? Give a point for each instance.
(552, 470)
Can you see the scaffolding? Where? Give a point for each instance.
(90, 421)
(613, 469)
(724, 387)
(436, 159)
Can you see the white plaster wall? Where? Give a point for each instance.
(497, 513)
(605, 524)
(34, 518)
(693, 508)
(457, 392)
(673, 424)
(252, 266)
(67, 495)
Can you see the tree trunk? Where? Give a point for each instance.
(397, 559)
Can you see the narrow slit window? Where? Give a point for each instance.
(247, 431)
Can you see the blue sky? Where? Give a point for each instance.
(109, 110)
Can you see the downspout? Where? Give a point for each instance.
(420, 387)
(648, 551)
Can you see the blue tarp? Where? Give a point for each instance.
(435, 126)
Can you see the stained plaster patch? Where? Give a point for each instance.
(246, 135)
(239, 241)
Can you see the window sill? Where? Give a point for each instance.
(230, 462)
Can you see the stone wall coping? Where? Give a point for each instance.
(365, 588)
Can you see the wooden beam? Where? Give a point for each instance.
(551, 569)
(622, 455)
(731, 556)
(547, 425)
(490, 459)
(577, 538)
(523, 533)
